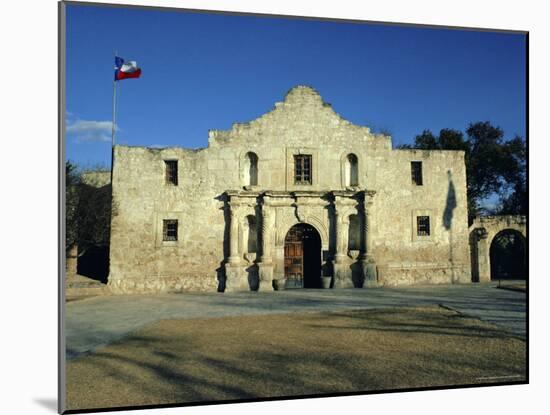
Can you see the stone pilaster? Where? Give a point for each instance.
(265, 264)
(342, 273)
(339, 253)
(484, 266)
(234, 257)
(235, 279)
(368, 263)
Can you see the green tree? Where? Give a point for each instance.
(72, 181)
(88, 212)
(515, 200)
(94, 216)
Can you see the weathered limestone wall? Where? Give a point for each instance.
(140, 260)
(213, 199)
(97, 178)
(401, 255)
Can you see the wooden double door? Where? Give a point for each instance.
(302, 257)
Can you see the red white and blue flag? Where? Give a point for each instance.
(126, 70)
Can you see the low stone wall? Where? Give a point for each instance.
(394, 275)
(163, 284)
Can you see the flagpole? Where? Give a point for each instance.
(114, 115)
(113, 125)
(114, 111)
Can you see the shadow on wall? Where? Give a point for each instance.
(253, 277)
(474, 261)
(220, 271)
(450, 204)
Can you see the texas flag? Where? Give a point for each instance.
(125, 70)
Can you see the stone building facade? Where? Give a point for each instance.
(294, 195)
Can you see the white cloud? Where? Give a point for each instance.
(85, 130)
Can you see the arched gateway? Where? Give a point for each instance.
(498, 247)
(302, 257)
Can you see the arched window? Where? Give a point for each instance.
(250, 169)
(351, 170)
(354, 235)
(252, 236)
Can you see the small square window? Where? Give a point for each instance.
(171, 168)
(416, 173)
(302, 169)
(170, 230)
(423, 225)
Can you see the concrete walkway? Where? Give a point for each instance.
(96, 322)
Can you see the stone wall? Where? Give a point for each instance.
(404, 257)
(213, 198)
(96, 178)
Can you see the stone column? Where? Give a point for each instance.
(342, 272)
(339, 255)
(233, 237)
(234, 271)
(72, 258)
(483, 259)
(266, 265)
(368, 264)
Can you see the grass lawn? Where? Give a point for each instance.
(179, 361)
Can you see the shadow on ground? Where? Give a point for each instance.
(250, 357)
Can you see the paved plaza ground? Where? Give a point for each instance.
(294, 354)
(96, 322)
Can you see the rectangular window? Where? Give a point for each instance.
(170, 230)
(171, 172)
(423, 225)
(416, 172)
(302, 169)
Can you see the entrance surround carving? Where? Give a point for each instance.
(276, 212)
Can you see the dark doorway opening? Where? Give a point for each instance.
(303, 257)
(508, 256)
(94, 263)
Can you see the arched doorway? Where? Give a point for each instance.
(508, 256)
(303, 257)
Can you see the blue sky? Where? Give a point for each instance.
(205, 71)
